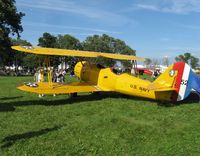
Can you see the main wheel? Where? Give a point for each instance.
(72, 95)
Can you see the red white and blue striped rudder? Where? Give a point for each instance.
(186, 80)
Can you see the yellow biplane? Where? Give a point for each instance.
(175, 84)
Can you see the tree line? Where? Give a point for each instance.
(98, 43)
(186, 57)
(10, 25)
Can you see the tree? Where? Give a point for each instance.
(47, 40)
(107, 44)
(32, 61)
(194, 62)
(10, 24)
(61, 41)
(165, 61)
(18, 58)
(185, 57)
(155, 63)
(147, 61)
(189, 59)
(16, 42)
(68, 42)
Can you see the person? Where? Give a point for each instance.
(155, 74)
(62, 76)
(39, 77)
(57, 76)
(117, 70)
(36, 76)
(54, 77)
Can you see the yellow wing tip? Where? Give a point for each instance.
(22, 47)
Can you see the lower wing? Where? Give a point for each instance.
(58, 88)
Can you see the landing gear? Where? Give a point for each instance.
(72, 95)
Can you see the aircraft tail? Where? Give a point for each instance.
(180, 79)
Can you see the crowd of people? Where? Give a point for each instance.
(58, 76)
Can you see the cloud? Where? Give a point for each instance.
(170, 6)
(165, 39)
(76, 8)
(91, 30)
(60, 5)
(148, 7)
(40, 32)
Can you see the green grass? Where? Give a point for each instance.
(94, 124)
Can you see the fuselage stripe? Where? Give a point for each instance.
(183, 84)
(180, 68)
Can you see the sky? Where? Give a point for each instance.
(154, 28)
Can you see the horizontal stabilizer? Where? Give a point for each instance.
(158, 88)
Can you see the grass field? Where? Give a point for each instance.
(94, 124)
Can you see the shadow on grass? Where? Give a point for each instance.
(12, 139)
(10, 106)
(7, 108)
(11, 98)
(194, 97)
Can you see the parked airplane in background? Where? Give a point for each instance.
(175, 84)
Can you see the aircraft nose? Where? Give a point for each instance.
(77, 69)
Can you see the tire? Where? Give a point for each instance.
(72, 95)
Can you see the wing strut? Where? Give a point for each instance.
(134, 66)
(48, 66)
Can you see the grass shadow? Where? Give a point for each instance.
(10, 106)
(193, 98)
(12, 139)
(11, 98)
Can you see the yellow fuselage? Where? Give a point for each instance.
(124, 83)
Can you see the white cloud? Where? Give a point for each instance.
(91, 30)
(165, 39)
(76, 8)
(171, 6)
(148, 7)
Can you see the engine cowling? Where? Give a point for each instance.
(87, 72)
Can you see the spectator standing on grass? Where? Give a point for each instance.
(155, 74)
(58, 76)
(54, 76)
(36, 76)
(62, 74)
(39, 77)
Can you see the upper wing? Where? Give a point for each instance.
(58, 88)
(65, 52)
